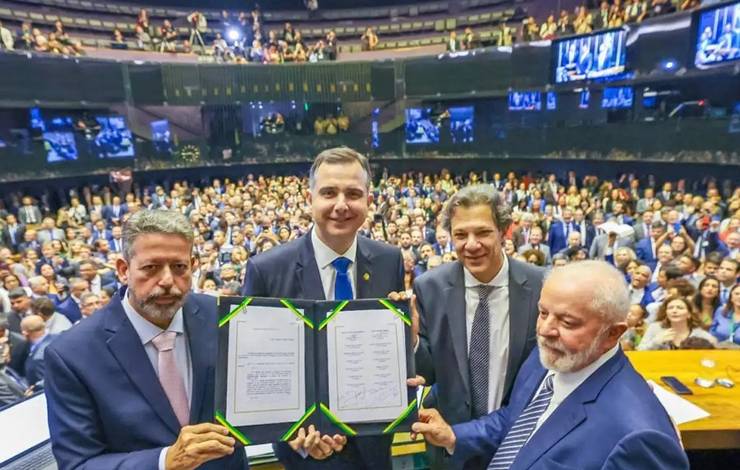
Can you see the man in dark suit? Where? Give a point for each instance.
(12, 234)
(647, 249)
(588, 231)
(34, 330)
(18, 347)
(20, 307)
(576, 385)
(477, 315)
(331, 263)
(443, 244)
(70, 307)
(559, 231)
(114, 213)
(146, 401)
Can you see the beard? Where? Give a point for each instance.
(148, 307)
(567, 361)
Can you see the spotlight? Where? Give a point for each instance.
(669, 65)
(233, 34)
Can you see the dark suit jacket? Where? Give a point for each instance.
(35, 367)
(20, 230)
(112, 412)
(636, 434)
(442, 356)
(18, 352)
(69, 308)
(291, 271)
(10, 392)
(556, 237)
(644, 252)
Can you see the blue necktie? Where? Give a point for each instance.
(522, 429)
(342, 285)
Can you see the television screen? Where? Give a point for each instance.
(461, 124)
(161, 136)
(420, 129)
(114, 139)
(617, 98)
(59, 140)
(525, 101)
(36, 121)
(718, 35)
(588, 57)
(585, 99)
(552, 101)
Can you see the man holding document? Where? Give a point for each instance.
(132, 387)
(331, 263)
(577, 402)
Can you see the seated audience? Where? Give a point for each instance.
(726, 324)
(675, 322)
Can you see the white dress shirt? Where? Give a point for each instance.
(565, 383)
(325, 256)
(498, 352)
(636, 295)
(148, 331)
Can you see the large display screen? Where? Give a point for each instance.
(461, 124)
(161, 136)
(420, 129)
(718, 35)
(114, 139)
(592, 56)
(59, 140)
(525, 101)
(617, 98)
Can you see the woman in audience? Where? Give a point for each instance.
(706, 300)
(675, 322)
(535, 257)
(726, 325)
(509, 247)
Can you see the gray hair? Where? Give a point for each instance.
(35, 280)
(339, 155)
(154, 221)
(478, 194)
(607, 288)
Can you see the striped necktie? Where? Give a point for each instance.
(523, 428)
(480, 336)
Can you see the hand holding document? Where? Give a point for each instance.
(310, 373)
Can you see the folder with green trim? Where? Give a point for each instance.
(248, 319)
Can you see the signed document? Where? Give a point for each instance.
(367, 366)
(266, 367)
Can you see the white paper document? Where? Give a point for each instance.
(367, 366)
(680, 409)
(266, 370)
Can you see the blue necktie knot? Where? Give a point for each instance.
(342, 285)
(341, 264)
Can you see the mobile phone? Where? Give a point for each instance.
(676, 385)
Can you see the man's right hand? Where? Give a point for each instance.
(435, 429)
(198, 444)
(314, 444)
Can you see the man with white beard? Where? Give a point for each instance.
(576, 385)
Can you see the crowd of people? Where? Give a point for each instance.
(242, 37)
(678, 248)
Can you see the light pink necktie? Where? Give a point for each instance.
(170, 377)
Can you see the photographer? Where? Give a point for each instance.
(198, 27)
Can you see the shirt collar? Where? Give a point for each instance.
(565, 383)
(146, 329)
(325, 255)
(499, 280)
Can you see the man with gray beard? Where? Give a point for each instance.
(133, 385)
(577, 402)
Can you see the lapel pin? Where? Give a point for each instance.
(366, 276)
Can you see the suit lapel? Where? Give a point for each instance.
(126, 347)
(308, 279)
(520, 308)
(569, 414)
(455, 311)
(198, 342)
(364, 271)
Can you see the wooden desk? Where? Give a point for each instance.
(721, 430)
